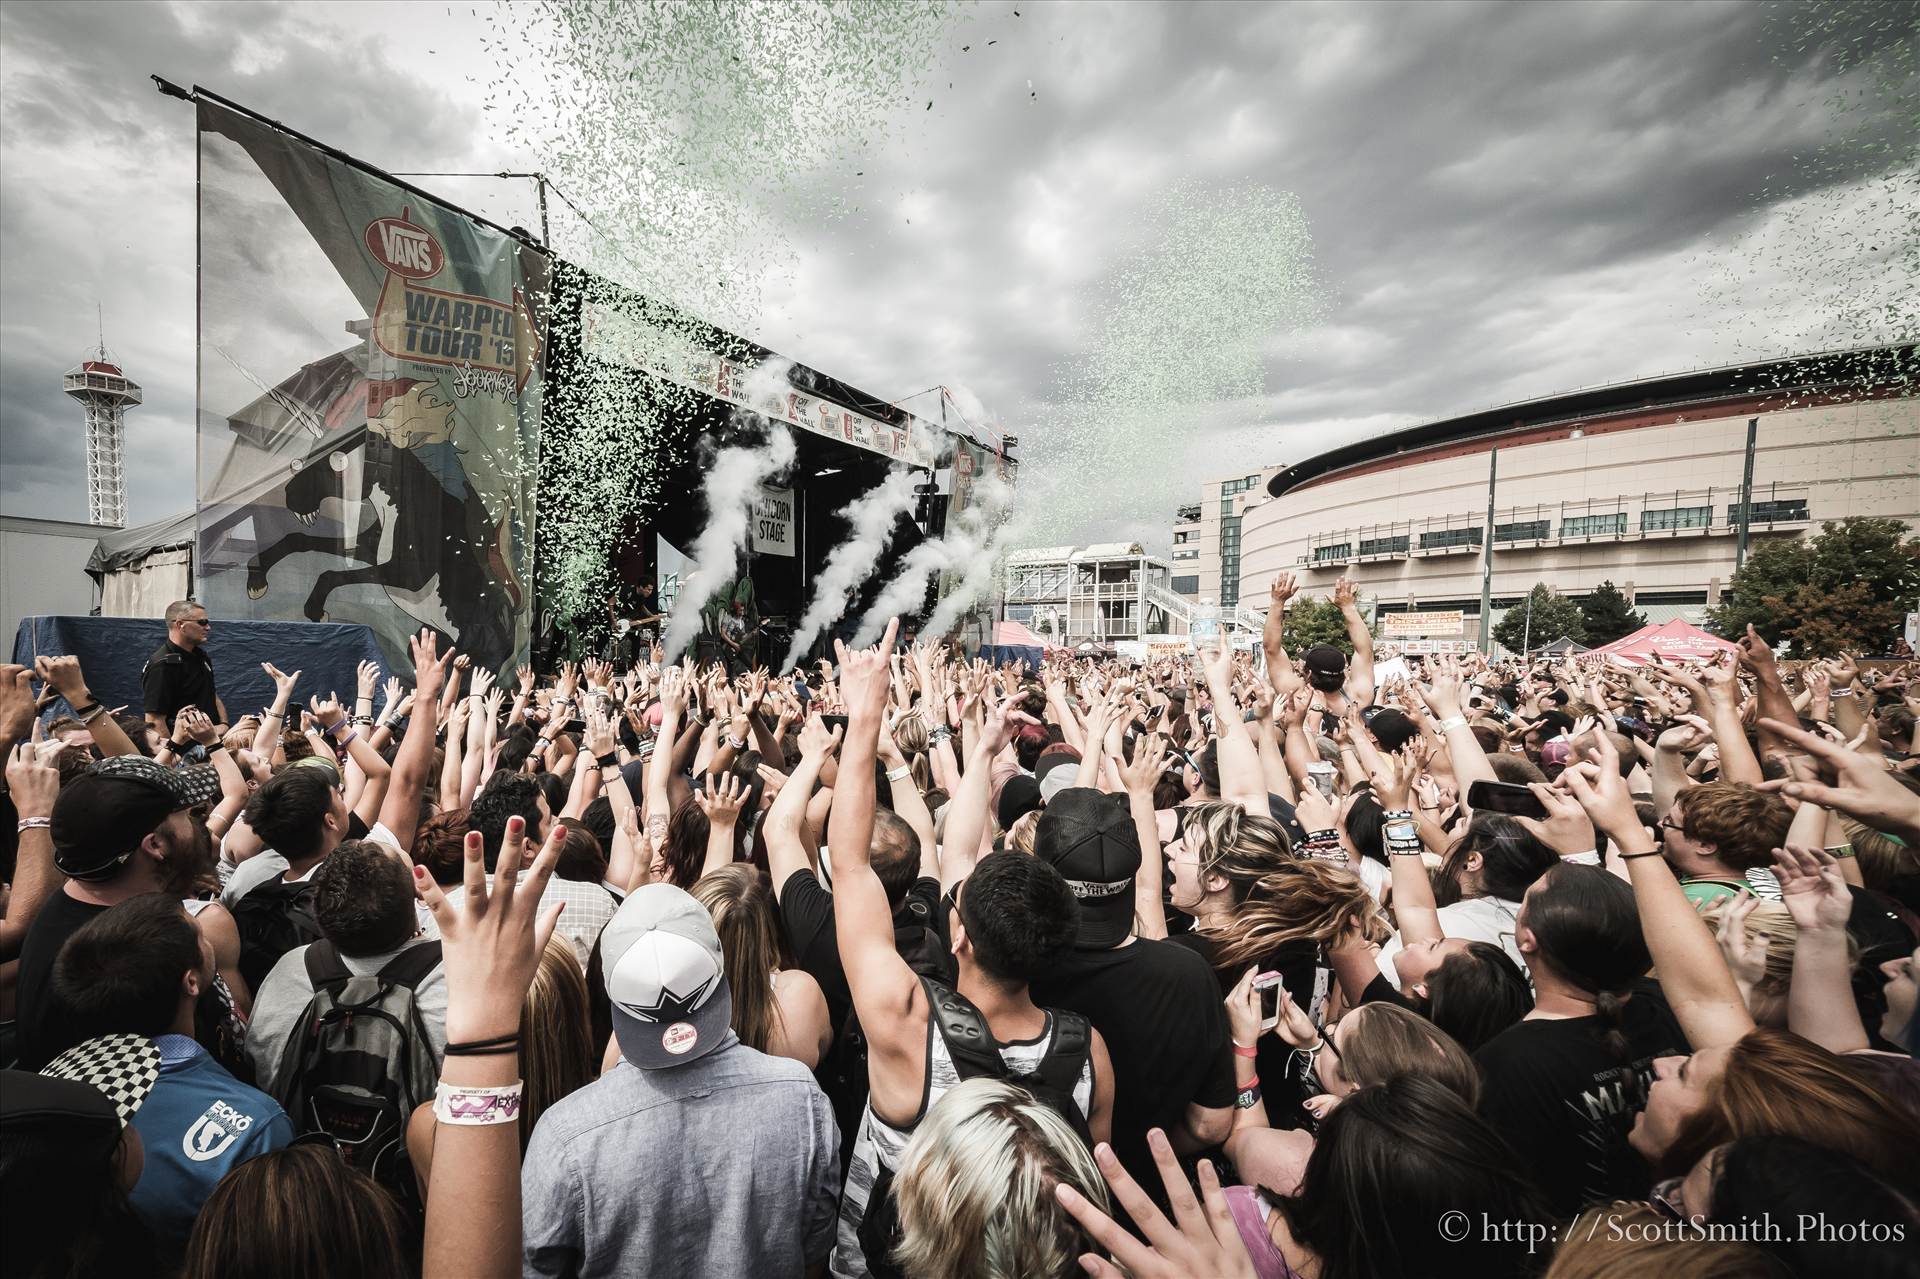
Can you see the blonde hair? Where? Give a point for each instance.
(556, 1034)
(910, 735)
(1020, 834)
(741, 903)
(1631, 1240)
(1278, 897)
(976, 1187)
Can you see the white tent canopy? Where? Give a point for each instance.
(142, 570)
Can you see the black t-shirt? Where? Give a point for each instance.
(806, 914)
(176, 677)
(45, 1027)
(1158, 1007)
(1566, 1104)
(1297, 965)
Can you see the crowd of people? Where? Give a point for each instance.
(1250, 963)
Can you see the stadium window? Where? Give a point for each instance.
(1450, 537)
(1676, 517)
(1383, 545)
(1189, 585)
(1332, 554)
(1771, 512)
(1593, 525)
(1522, 531)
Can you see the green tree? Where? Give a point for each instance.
(1554, 615)
(1315, 621)
(1607, 615)
(1847, 587)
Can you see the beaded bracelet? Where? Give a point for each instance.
(477, 1107)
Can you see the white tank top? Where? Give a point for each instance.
(879, 1144)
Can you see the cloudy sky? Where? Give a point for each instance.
(1504, 201)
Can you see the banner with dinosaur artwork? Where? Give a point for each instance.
(370, 370)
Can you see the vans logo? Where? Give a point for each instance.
(215, 1130)
(403, 248)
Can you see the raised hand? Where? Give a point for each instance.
(429, 667)
(32, 781)
(1345, 593)
(64, 676)
(1862, 788)
(196, 725)
(1567, 829)
(392, 690)
(1391, 774)
(1601, 790)
(865, 675)
(817, 741)
(17, 712)
(1142, 773)
(1812, 888)
(282, 682)
(525, 675)
(1204, 1242)
(1689, 733)
(725, 795)
(365, 676)
(326, 711)
(482, 681)
(1746, 955)
(1280, 591)
(493, 939)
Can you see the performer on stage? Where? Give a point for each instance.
(634, 616)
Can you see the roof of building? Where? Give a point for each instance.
(1768, 386)
(1109, 551)
(1041, 555)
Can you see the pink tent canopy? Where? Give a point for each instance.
(1013, 634)
(1675, 641)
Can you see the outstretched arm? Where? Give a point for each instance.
(1360, 670)
(413, 762)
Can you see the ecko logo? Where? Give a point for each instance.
(404, 248)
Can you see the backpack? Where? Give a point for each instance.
(359, 1060)
(970, 1044)
(273, 919)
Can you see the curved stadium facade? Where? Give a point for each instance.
(1636, 483)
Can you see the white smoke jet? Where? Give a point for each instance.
(730, 486)
(981, 567)
(966, 538)
(854, 560)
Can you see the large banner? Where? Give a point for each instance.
(370, 384)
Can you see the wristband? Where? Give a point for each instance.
(1248, 1097)
(347, 741)
(1627, 857)
(475, 1107)
(900, 774)
(1839, 852)
(1841, 692)
(93, 711)
(26, 824)
(609, 760)
(941, 734)
(738, 743)
(1242, 1050)
(1452, 722)
(1396, 814)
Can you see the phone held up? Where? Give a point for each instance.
(1505, 797)
(1267, 986)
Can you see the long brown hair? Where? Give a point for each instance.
(1386, 1040)
(741, 902)
(1776, 1083)
(299, 1213)
(1280, 898)
(556, 1036)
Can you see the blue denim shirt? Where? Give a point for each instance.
(728, 1165)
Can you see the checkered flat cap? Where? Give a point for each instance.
(124, 1067)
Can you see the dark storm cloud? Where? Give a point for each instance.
(1505, 201)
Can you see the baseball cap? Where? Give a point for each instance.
(1325, 659)
(666, 978)
(102, 815)
(1089, 837)
(1020, 796)
(1392, 728)
(124, 1068)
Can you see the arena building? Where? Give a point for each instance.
(1637, 483)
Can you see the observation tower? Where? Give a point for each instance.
(107, 394)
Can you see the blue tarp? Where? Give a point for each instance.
(1021, 653)
(112, 651)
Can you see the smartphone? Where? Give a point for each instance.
(1505, 797)
(1320, 773)
(1267, 986)
(834, 721)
